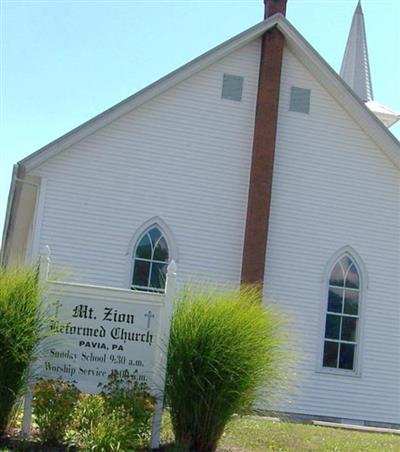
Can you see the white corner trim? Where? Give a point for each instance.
(38, 220)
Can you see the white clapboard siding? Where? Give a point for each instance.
(333, 188)
(184, 156)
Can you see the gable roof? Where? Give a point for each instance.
(294, 41)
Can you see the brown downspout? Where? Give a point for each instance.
(262, 165)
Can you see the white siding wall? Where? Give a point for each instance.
(183, 156)
(333, 187)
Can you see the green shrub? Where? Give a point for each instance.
(117, 419)
(122, 394)
(22, 325)
(52, 406)
(88, 411)
(92, 430)
(111, 432)
(224, 347)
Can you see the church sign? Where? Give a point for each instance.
(97, 330)
(94, 336)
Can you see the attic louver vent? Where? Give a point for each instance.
(300, 100)
(232, 87)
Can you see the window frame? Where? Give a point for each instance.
(359, 340)
(165, 230)
(151, 261)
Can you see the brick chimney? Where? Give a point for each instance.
(263, 154)
(273, 7)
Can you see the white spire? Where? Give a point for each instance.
(355, 66)
(355, 69)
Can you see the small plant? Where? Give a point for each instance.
(117, 419)
(224, 347)
(22, 326)
(88, 411)
(108, 432)
(53, 405)
(126, 395)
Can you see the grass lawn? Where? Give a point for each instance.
(261, 435)
(249, 434)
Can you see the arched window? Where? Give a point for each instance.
(342, 316)
(150, 261)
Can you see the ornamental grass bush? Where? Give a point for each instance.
(224, 348)
(22, 326)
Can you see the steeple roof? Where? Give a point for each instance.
(355, 69)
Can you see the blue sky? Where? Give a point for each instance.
(62, 62)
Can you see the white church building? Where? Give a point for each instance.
(256, 163)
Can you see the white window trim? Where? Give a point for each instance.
(168, 235)
(354, 256)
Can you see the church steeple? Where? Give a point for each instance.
(355, 69)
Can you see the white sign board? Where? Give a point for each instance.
(97, 330)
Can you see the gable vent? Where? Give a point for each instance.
(300, 100)
(232, 87)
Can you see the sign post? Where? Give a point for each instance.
(44, 268)
(162, 354)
